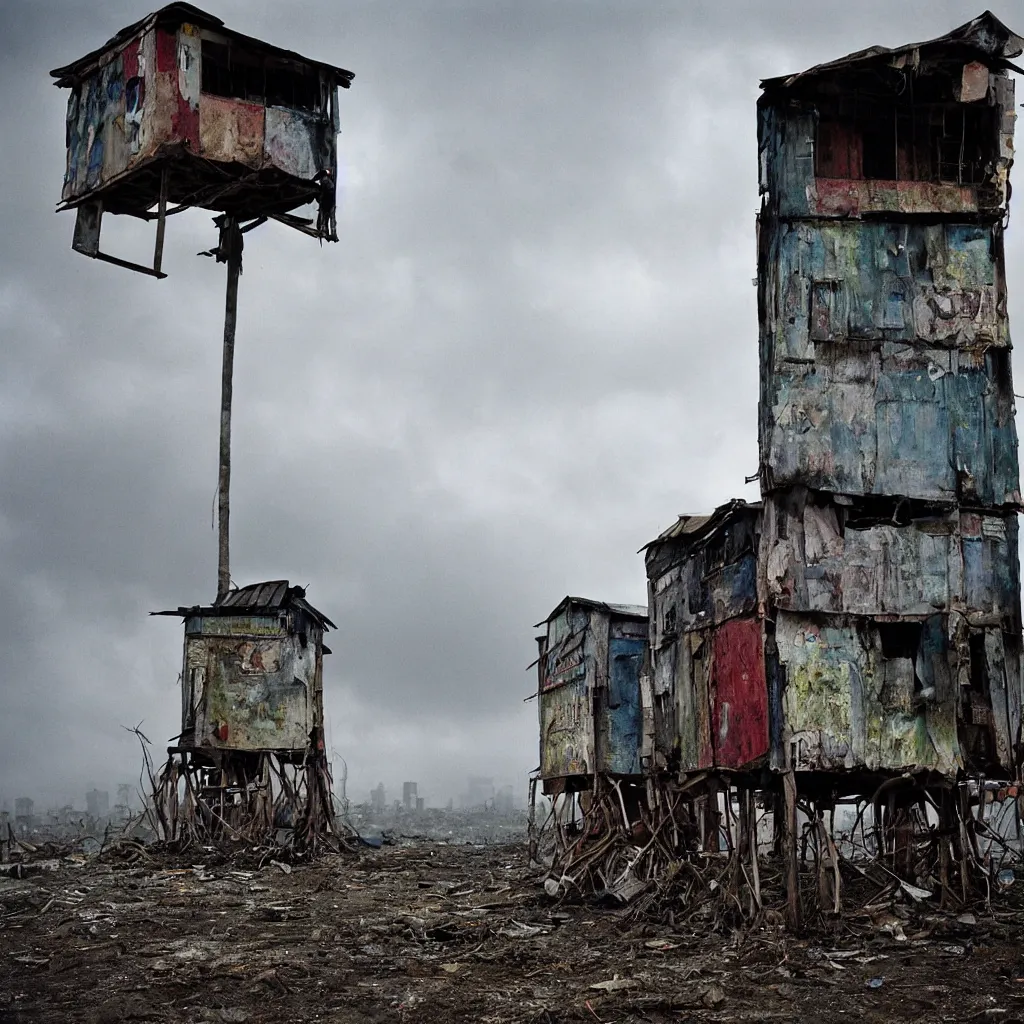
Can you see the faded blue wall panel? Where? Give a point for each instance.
(913, 437)
(931, 283)
(922, 432)
(624, 712)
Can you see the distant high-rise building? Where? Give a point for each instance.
(378, 798)
(24, 812)
(97, 803)
(409, 795)
(421, 803)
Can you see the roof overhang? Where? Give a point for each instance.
(174, 15)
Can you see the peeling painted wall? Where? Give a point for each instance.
(232, 130)
(250, 683)
(943, 561)
(108, 118)
(884, 363)
(847, 707)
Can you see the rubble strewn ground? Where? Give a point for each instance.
(435, 932)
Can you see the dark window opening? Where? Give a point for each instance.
(976, 725)
(979, 677)
(918, 132)
(670, 621)
(900, 639)
(239, 73)
(870, 510)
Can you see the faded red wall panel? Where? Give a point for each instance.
(739, 715)
(840, 151)
(184, 125)
(130, 57)
(166, 50)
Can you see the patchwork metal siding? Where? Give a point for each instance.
(591, 713)
(815, 561)
(702, 583)
(930, 283)
(884, 363)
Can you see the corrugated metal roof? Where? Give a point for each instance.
(629, 611)
(258, 595)
(693, 527)
(179, 13)
(986, 35)
(257, 599)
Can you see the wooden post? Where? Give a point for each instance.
(789, 849)
(230, 252)
(161, 225)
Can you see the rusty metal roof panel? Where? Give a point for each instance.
(256, 595)
(631, 611)
(176, 14)
(258, 598)
(986, 36)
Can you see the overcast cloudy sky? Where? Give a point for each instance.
(534, 346)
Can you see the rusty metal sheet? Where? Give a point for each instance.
(974, 82)
(231, 130)
(740, 713)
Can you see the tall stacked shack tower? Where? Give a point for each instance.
(888, 571)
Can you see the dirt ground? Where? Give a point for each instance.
(437, 933)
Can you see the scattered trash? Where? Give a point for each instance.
(875, 982)
(615, 984)
(282, 867)
(713, 995)
(518, 930)
(661, 944)
(452, 968)
(1005, 878)
(915, 892)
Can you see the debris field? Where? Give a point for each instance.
(439, 933)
